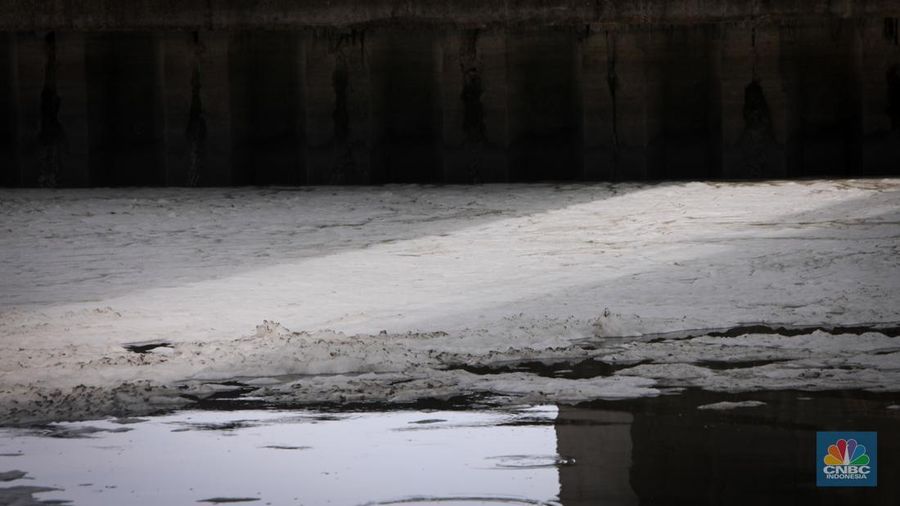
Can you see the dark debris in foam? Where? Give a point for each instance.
(725, 365)
(787, 330)
(24, 496)
(12, 475)
(224, 500)
(62, 432)
(146, 347)
(566, 369)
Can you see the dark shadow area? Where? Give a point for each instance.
(543, 108)
(412, 104)
(267, 108)
(825, 137)
(52, 137)
(688, 145)
(9, 165)
(125, 111)
(280, 225)
(405, 109)
(196, 130)
(760, 154)
(761, 455)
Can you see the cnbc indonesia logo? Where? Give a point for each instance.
(845, 461)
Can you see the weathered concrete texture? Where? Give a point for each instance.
(544, 107)
(824, 98)
(291, 14)
(9, 163)
(391, 104)
(683, 97)
(406, 114)
(879, 76)
(50, 110)
(267, 109)
(338, 102)
(197, 109)
(125, 109)
(753, 103)
(474, 105)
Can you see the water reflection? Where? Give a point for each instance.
(599, 442)
(652, 451)
(278, 457)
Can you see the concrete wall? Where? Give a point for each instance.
(148, 15)
(447, 102)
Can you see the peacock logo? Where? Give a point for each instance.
(847, 459)
(846, 452)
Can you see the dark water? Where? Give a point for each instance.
(650, 451)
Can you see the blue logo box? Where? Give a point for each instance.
(846, 459)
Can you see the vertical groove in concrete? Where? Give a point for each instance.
(752, 98)
(50, 109)
(385, 104)
(336, 88)
(473, 86)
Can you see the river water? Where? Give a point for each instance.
(646, 451)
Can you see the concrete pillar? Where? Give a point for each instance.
(73, 114)
(600, 86)
(198, 125)
(51, 109)
(9, 163)
(630, 127)
(544, 114)
(684, 97)
(338, 126)
(879, 75)
(824, 126)
(474, 112)
(125, 109)
(406, 105)
(215, 96)
(753, 103)
(31, 59)
(180, 50)
(267, 109)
